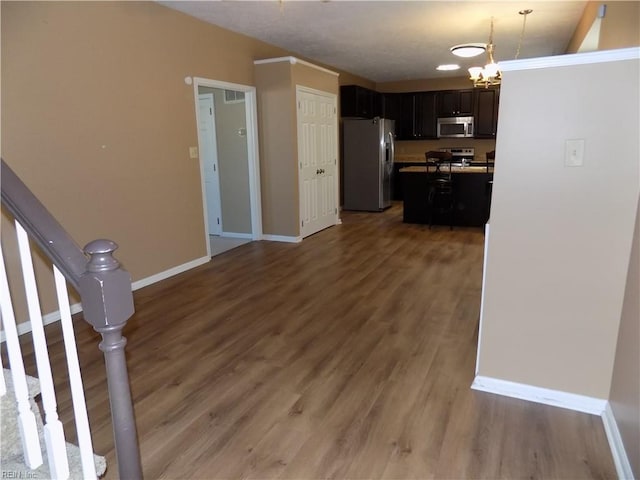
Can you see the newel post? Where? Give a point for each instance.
(107, 302)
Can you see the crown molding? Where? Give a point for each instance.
(293, 61)
(601, 56)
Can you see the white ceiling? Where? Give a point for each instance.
(394, 40)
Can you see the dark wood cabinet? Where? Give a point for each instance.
(426, 123)
(404, 122)
(399, 107)
(391, 107)
(472, 199)
(416, 115)
(486, 112)
(357, 101)
(455, 103)
(397, 192)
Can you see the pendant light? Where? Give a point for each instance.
(490, 75)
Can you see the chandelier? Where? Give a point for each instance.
(489, 75)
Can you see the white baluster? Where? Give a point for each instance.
(75, 379)
(3, 386)
(53, 431)
(26, 418)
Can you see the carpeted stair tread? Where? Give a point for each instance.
(11, 444)
(19, 470)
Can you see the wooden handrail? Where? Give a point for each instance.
(107, 302)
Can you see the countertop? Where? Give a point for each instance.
(453, 169)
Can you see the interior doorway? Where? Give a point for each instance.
(228, 151)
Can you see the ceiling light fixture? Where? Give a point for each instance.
(468, 50)
(448, 66)
(524, 13)
(490, 75)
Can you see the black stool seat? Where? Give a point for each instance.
(491, 159)
(440, 190)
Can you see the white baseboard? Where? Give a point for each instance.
(556, 398)
(145, 282)
(620, 459)
(281, 238)
(25, 327)
(52, 317)
(248, 236)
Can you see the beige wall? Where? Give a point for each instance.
(307, 76)
(418, 147)
(620, 27)
(625, 384)
(97, 119)
(42, 268)
(589, 15)
(277, 115)
(277, 132)
(425, 85)
(347, 78)
(561, 236)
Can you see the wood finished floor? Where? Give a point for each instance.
(349, 355)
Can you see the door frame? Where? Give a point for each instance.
(336, 189)
(253, 158)
(218, 196)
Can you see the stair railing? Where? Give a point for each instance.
(107, 304)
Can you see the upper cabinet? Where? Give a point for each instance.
(454, 103)
(414, 113)
(486, 112)
(391, 106)
(357, 101)
(424, 112)
(399, 107)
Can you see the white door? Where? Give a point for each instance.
(317, 160)
(209, 155)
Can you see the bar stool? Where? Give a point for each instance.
(491, 159)
(488, 189)
(440, 191)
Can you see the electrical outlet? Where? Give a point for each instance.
(193, 152)
(574, 153)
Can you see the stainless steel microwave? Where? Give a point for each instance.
(456, 127)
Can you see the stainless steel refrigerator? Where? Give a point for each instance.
(367, 156)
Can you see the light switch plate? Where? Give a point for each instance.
(193, 152)
(574, 153)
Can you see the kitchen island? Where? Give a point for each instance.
(472, 193)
